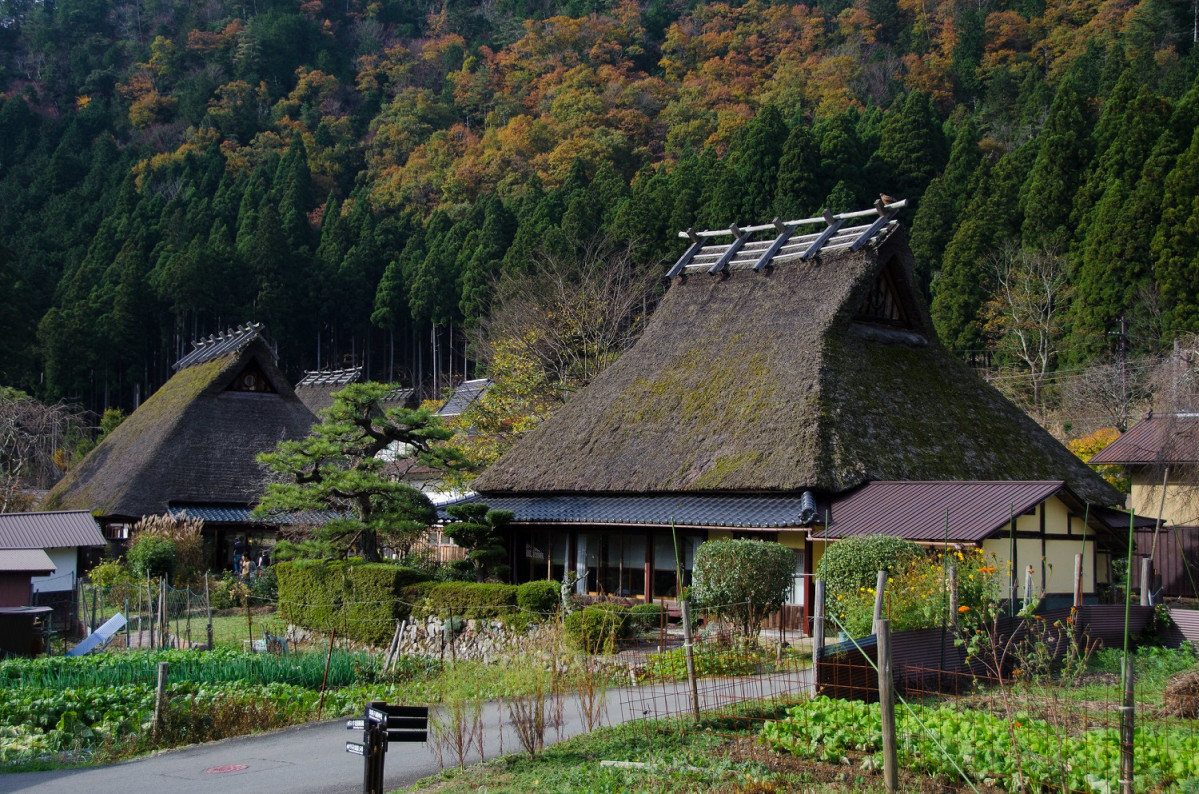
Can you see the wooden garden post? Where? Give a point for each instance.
(879, 589)
(886, 700)
(1078, 580)
(1146, 582)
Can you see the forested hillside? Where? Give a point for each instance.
(359, 175)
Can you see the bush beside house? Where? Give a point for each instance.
(357, 598)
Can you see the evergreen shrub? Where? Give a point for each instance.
(853, 563)
(645, 617)
(360, 599)
(541, 597)
(152, 555)
(742, 580)
(469, 600)
(596, 628)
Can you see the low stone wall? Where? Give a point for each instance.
(484, 640)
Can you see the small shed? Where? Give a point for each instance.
(17, 568)
(71, 539)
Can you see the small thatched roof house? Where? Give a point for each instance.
(191, 446)
(316, 388)
(776, 365)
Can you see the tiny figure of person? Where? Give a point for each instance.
(247, 567)
(239, 554)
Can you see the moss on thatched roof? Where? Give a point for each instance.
(778, 381)
(194, 441)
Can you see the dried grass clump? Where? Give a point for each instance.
(1182, 695)
(184, 532)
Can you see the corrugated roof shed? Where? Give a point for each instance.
(917, 510)
(1157, 439)
(58, 529)
(31, 561)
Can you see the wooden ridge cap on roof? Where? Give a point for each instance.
(215, 346)
(331, 377)
(784, 244)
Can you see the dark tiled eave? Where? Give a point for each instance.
(225, 514)
(753, 512)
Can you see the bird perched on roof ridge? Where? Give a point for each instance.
(885, 198)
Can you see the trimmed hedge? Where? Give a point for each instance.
(353, 597)
(541, 597)
(468, 600)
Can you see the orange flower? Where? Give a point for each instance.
(987, 569)
(963, 608)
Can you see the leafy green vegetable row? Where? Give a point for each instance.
(943, 740)
(217, 666)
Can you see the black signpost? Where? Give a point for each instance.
(385, 723)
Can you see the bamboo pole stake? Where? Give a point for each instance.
(249, 623)
(953, 595)
(1127, 725)
(818, 632)
(689, 652)
(160, 696)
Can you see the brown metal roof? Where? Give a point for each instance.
(916, 510)
(59, 529)
(32, 561)
(1158, 438)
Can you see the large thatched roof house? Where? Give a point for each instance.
(190, 448)
(781, 372)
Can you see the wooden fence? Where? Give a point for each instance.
(930, 659)
(1176, 562)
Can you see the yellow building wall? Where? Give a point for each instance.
(818, 547)
(1054, 566)
(1182, 498)
(1059, 558)
(720, 534)
(793, 540)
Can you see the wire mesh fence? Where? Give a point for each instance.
(156, 614)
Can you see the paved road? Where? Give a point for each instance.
(311, 759)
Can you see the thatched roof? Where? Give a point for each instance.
(316, 388)
(194, 441)
(819, 373)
